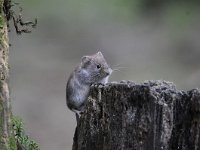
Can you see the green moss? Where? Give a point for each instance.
(1, 22)
(1, 28)
(12, 143)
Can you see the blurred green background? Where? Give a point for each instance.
(150, 39)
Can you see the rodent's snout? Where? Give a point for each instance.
(109, 71)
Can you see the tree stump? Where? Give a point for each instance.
(148, 116)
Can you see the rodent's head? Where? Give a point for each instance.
(96, 67)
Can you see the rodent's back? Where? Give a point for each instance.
(76, 93)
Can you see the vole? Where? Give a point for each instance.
(92, 69)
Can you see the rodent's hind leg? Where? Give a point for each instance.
(77, 113)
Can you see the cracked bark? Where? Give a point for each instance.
(148, 116)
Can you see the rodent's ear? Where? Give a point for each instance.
(85, 59)
(99, 53)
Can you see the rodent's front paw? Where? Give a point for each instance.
(97, 85)
(93, 85)
(114, 82)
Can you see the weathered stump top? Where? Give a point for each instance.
(149, 116)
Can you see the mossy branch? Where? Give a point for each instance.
(20, 25)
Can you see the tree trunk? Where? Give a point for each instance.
(149, 116)
(5, 110)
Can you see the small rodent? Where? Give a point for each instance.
(92, 69)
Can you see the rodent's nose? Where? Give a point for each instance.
(107, 73)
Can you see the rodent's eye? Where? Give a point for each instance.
(98, 66)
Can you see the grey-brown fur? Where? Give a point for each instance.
(92, 69)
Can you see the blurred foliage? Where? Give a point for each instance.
(21, 138)
(178, 11)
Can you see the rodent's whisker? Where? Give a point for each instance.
(122, 67)
(118, 67)
(116, 70)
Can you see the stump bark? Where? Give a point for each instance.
(148, 116)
